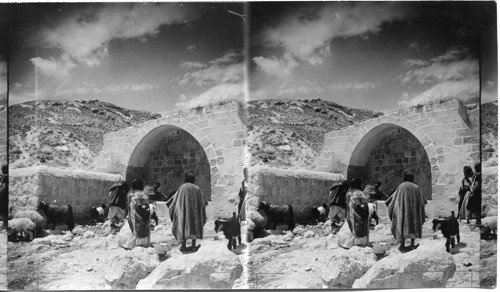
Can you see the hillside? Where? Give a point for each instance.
(489, 133)
(66, 134)
(289, 133)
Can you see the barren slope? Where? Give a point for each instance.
(64, 133)
(289, 133)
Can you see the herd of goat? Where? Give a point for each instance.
(26, 225)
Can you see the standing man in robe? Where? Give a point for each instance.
(406, 207)
(118, 203)
(187, 212)
(139, 214)
(464, 194)
(357, 213)
(338, 202)
(4, 194)
(474, 205)
(243, 196)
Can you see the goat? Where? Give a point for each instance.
(21, 226)
(278, 214)
(99, 213)
(231, 228)
(450, 229)
(58, 214)
(34, 216)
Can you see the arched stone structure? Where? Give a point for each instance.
(164, 155)
(444, 131)
(219, 130)
(379, 156)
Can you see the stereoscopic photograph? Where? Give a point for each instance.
(249, 145)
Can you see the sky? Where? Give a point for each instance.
(3, 55)
(373, 55)
(164, 56)
(153, 56)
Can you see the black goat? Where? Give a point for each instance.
(231, 229)
(321, 213)
(58, 214)
(278, 214)
(99, 213)
(450, 229)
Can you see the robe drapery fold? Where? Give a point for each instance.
(138, 218)
(464, 194)
(187, 212)
(357, 216)
(406, 207)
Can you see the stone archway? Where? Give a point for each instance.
(383, 155)
(219, 130)
(443, 129)
(165, 154)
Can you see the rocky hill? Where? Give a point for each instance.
(289, 133)
(66, 134)
(489, 133)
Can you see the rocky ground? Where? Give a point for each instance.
(488, 275)
(310, 257)
(90, 258)
(489, 156)
(3, 260)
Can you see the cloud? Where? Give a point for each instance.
(130, 87)
(414, 62)
(228, 68)
(307, 34)
(413, 45)
(489, 91)
(52, 67)
(454, 64)
(465, 90)
(192, 48)
(280, 88)
(84, 36)
(454, 74)
(188, 65)
(353, 86)
(275, 66)
(89, 88)
(218, 94)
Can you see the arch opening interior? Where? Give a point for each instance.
(385, 153)
(164, 155)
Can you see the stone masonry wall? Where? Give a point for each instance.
(176, 154)
(295, 187)
(219, 130)
(80, 189)
(447, 137)
(399, 151)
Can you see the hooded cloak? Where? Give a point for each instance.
(406, 207)
(187, 212)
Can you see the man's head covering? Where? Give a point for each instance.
(408, 176)
(137, 184)
(190, 178)
(355, 183)
(477, 167)
(468, 171)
